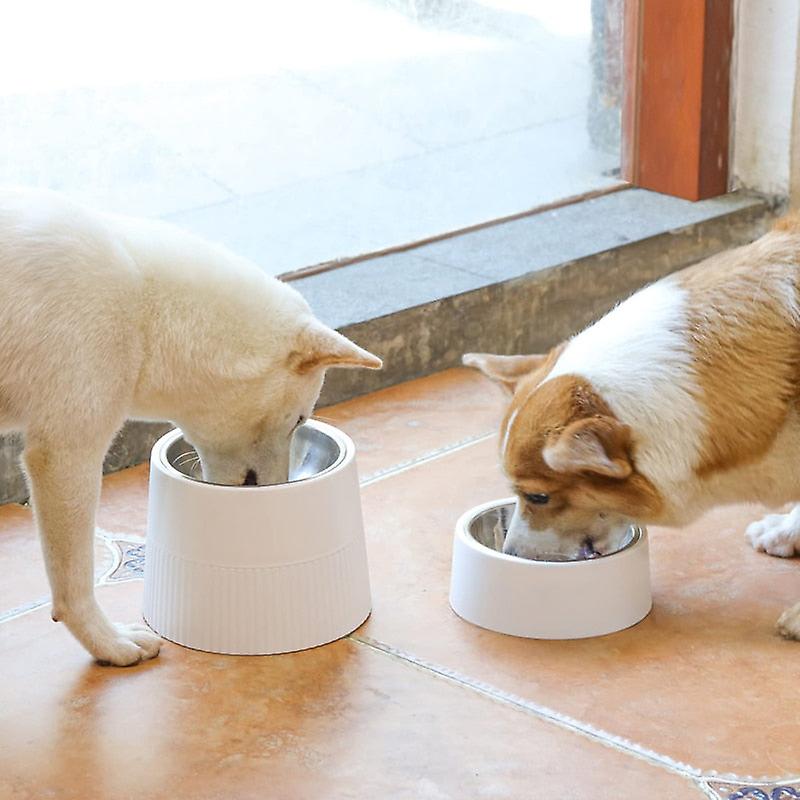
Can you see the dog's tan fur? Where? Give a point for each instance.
(566, 409)
(746, 349)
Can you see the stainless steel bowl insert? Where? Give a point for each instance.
(490, 528)
(313, 453)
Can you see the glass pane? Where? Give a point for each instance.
(305, 131)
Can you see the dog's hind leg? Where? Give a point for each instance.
(789, 623)
(65, 474)
(779, 535)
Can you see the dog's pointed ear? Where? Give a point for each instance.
(320, 347)
(598, 445)
(507, 371)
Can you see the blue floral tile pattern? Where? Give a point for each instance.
(757, 791)
(131, 562)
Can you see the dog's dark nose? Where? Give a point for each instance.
(251, 479)
(588, 549)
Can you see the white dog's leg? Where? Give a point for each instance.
(65, 487)
(777, 534)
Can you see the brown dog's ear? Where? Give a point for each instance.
(508, 371)
(320, 347)
(598, 445)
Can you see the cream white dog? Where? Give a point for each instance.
(104, 318)
(685, 396)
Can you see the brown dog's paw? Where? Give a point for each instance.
(789, 623)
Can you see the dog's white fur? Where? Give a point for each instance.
(636, 357)
(104, 318)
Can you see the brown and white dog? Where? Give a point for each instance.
(683, 397)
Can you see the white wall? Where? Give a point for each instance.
(764, 76)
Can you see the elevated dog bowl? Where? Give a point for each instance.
(257, 569)
(544, 599)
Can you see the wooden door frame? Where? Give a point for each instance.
(676, 105)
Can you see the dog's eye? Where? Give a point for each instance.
(539, 498)
(300, 420)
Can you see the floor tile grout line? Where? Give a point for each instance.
(43, 602)
(541, 712)
(425, 458)
(21, 611)
(708, 790)
(699, 777)
(109, 539)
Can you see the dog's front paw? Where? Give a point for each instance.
(776, 534)
(789, 623)
(130, 645)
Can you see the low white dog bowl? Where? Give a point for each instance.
(544, 599)
(257, 569)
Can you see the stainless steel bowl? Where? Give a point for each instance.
(313, 453)
(490, 528)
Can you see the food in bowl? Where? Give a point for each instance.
(490, 530)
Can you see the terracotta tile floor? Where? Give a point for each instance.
(699, 700)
